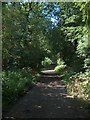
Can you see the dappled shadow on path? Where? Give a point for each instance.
(48, 99)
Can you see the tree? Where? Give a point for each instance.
(24, 42)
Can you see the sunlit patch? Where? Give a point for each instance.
(58, 107)
(81, 107)
(68, 96)
(38, 106)
(9, 118)
(63, 94)
(49, 94)
(69, 106)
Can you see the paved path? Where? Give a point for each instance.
(47, 99)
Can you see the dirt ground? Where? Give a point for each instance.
(47, 99)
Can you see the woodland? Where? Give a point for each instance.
(36, 35)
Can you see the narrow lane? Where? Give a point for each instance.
(48, 99)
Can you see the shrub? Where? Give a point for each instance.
(60, 62)
(67, 74)
(80, 85)
(60, 68)
(14, 83)
(47, 61)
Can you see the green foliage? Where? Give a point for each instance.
(79, 86)
(60, 65)
(15, 83)
(87, 63)
(67, 73)
(60, 68)
(60, 62)
(24, 40)
(29, 36)
(47, 61)
(83, 44)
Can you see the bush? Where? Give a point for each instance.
(67, 74)
(60, 62)
(80, 85)
(60, 68)
(14, 83)
(60, 65)
(47, 61)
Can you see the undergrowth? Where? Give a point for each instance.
(78, 84)
(15, 83)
